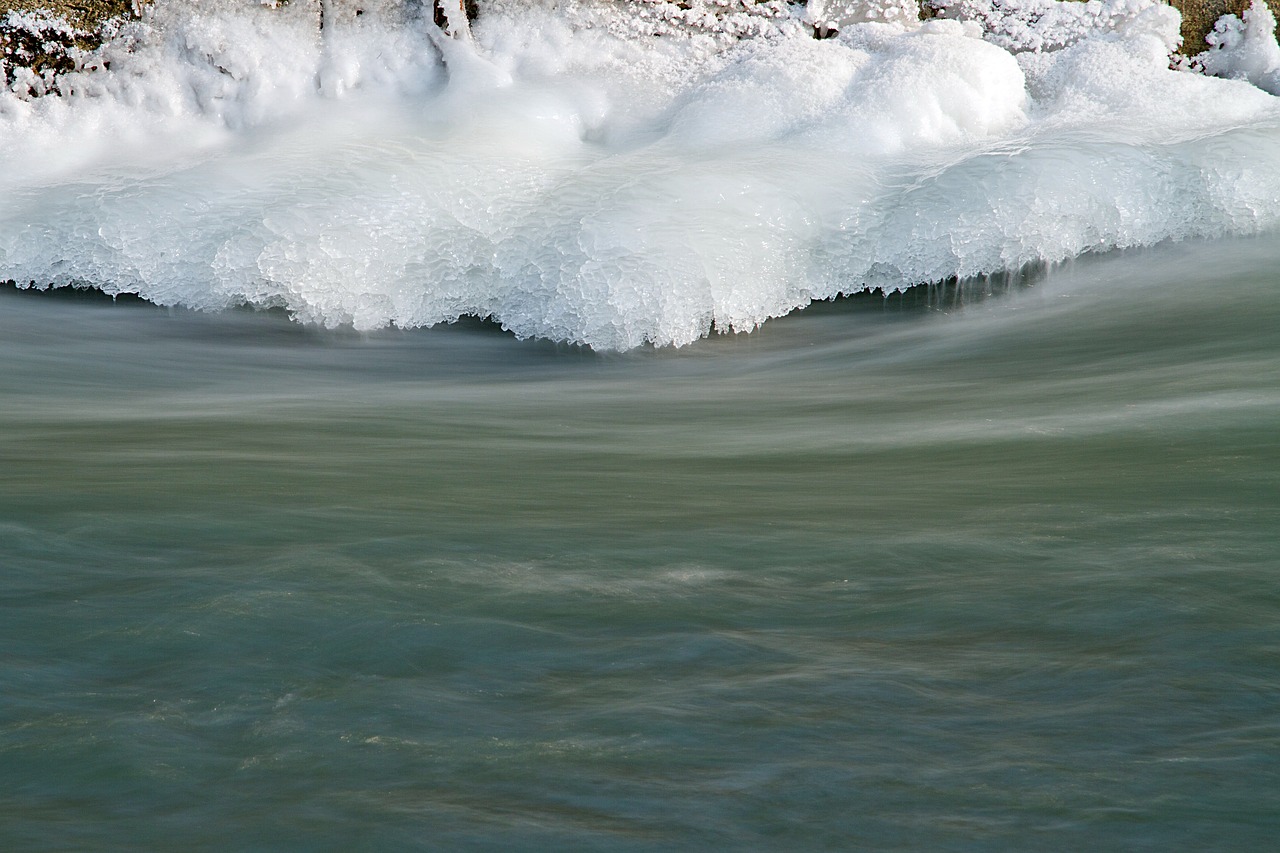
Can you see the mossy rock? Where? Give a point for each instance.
(38, 52)
(87, 15)
(1199, 16)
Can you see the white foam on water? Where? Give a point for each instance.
(575, 177)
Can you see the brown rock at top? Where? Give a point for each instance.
(39, 53)
(1199, 16)
(86, 14)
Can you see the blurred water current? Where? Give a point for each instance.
(941, 571)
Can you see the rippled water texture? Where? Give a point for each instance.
(937, 572)
(978, 566)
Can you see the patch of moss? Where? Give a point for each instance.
(56, 39)
(1199, 16)
(87, 15)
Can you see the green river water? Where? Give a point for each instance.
(937, 572)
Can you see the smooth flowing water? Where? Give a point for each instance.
(989, 565)
(932, 572)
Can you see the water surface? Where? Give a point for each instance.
(932, 572)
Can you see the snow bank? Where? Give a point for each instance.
(576, 181)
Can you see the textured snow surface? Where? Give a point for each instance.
(578, 177)
(1037, 25)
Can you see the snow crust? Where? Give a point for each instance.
(1038, 25)
(576, 176)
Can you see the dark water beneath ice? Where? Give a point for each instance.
(936, 572)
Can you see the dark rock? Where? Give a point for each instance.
(1199, 16)
(54, 39)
